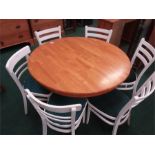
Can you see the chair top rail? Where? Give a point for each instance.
(101, 36)
(55, 116)
(54, 29)
(51, 36)
(98, 30)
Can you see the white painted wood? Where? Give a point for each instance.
(48, 34)
(73, 115)
(142, 58)
(84, 117)
(142, 93)
(98, 33)
(54, 120)
(146, 54)
(20, 67)
(17, 72)
(53, 36)
(44, 126)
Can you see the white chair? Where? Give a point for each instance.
(146, 54)
(62, 114)
(114, 108)
(17, 68)
(99, 33)
(48, 34)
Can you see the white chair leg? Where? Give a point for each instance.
(73, 131)
(44, 127)
(88, 115)
(129, 119)
(84, 116)
(25, 104)
(116, 125)
(73, 115)
(114, 131)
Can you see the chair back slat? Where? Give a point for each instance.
(48, 37)
(21, 70)
(56, 116)
(149, 56)
(100, 36)
(142, 58)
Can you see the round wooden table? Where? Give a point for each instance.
(79, 67)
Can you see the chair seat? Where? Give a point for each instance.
(110, 103)
(59, 100)
(33, 85)
(132, 76)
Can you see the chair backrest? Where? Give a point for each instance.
(99, 33)
(53, 114)
(142, 93)
(145, 90)
(146, 54)
(48, 34)
(17, 72)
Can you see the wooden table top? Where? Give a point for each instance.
(78, 66)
